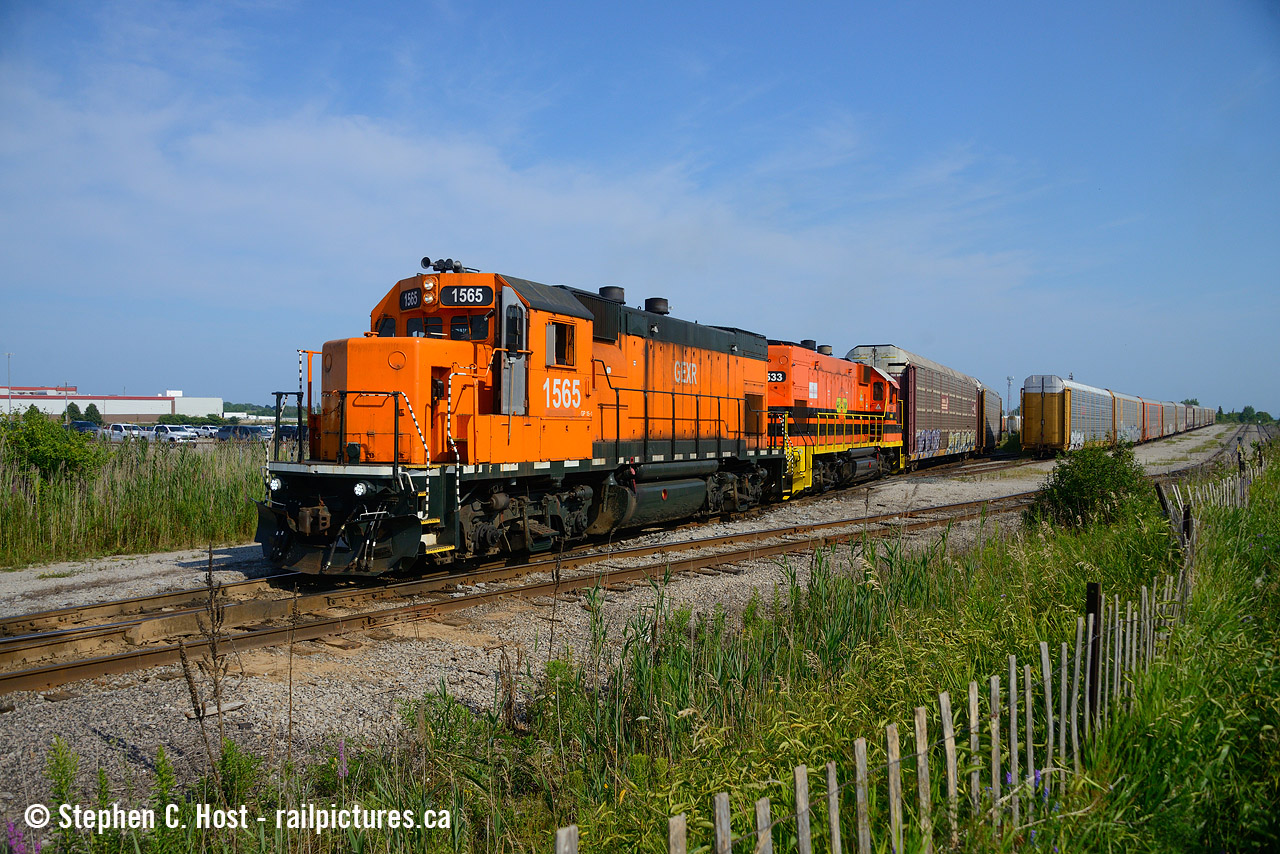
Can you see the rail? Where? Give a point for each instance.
(736, 434)
(166, 628)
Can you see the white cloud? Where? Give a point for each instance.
(192, 218)
(301, 213)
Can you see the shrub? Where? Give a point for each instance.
(33, 441)
(1091, 485)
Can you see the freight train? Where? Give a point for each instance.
(484, 415)
(1064, 415)
(945, 413)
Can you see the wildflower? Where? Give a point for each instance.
(342, 758)
(16, 843)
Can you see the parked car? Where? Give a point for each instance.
(82, 427)
(244, 433)
(121, 432)
(289, 432)
(170, 434)
(228, 432)
(204, 431)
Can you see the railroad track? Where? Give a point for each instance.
(120, 609)
(100, 624)
(1217, 458)
(123, 610)
(50, 648)
(976, 466)
(151, 639)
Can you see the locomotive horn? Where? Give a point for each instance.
(426, 263)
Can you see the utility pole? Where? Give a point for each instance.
(1008, 406)
(8, 389)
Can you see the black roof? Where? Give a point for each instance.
(612, 319)
(548, 297)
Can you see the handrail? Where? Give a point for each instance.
(395, 396)
(275, 437)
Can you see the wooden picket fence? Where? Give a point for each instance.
(1020, 739)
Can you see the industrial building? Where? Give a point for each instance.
(137, 409)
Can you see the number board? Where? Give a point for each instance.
(777, 376)
(411, 299)
(466, 295)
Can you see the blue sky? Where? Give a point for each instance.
(189, 192)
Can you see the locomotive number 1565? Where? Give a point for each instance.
(562, 394)
(463, 295)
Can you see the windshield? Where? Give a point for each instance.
(469, 327)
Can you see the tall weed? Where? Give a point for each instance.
(140, 498)
(678, 706)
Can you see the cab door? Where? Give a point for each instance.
(513, 382)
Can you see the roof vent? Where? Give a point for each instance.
(825, 349)
(613, 293)
(657, 305)
(809, 344)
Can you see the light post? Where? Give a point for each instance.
(1008, 406)
(8, 380)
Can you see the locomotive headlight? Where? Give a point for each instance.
(274, 484)
(361, 489)
(428, 299)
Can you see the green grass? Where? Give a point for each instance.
(1011, 443)
(619, 739)
(142, 498)
(1196, 767)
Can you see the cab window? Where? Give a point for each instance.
(877, 391)
(560, 344)
(515, 330)
(387, 327)
(424, 327)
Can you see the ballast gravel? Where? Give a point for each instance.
(302, 699)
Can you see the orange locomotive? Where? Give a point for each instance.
(838, 419)
(484, 414)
